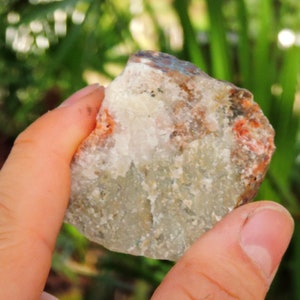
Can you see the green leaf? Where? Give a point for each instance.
(191, 47)
(262, 62)
(243, 44)
(285, 123)
(284, 106)
(220, 56)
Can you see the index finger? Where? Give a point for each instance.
(34, 192)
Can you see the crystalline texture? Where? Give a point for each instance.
(174, 150)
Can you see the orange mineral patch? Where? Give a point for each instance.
(105, 125)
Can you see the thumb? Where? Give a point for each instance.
(237, 259)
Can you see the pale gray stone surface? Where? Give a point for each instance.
(174, 150)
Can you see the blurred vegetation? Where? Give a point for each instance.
(49, 49)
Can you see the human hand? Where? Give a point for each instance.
(237, 259)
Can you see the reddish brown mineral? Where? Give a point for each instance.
(174, 150)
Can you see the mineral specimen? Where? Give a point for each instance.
(174, 150)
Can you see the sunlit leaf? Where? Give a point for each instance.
(220, 51)
(244, 45)
(191, 46)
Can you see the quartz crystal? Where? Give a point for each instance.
(173, 151)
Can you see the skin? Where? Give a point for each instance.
(237, 259)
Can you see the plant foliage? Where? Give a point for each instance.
(49, 49)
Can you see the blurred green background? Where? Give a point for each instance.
(49, 49)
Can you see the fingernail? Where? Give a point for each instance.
(46, 296)
(80, 94)
(265, 237)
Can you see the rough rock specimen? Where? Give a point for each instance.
(174, 150)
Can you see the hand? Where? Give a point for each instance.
(237, 259)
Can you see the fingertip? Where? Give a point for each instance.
(236, 259)
(63, 128)
(46, 296)
(79, 95)
(265, 236)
